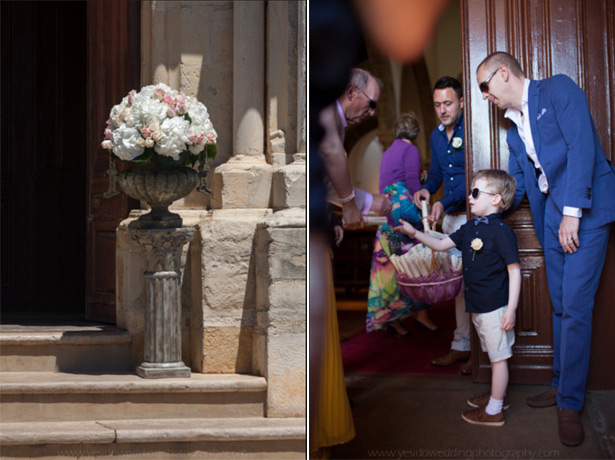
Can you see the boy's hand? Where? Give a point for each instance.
(508, 321)
(406, 228)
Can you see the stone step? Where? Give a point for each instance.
(62, 397)
(65, 348)
(218, 438)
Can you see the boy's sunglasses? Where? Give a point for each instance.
(475, 192)
(372, 104)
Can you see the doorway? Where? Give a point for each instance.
(43, 145)
(63, 67)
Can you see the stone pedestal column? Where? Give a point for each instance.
(163, 345)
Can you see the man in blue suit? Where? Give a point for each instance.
(558, 162)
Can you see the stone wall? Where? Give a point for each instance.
(279, 334)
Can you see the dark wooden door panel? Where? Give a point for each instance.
(114, 56)
(577, 38)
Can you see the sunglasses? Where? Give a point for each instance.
(475, 192)
(484, 86)
(372, 104)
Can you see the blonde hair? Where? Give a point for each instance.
(407, 126)
(501, 183)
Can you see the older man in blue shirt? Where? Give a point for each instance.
(448, 166)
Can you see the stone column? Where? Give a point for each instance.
(163, 345)
(245, 180)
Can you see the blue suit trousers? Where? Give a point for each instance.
(573, 281)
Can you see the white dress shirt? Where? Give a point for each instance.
(522, 120)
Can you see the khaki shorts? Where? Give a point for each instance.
(496, 342)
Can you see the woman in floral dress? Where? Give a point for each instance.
(400, 172)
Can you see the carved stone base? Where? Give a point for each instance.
(163, 370)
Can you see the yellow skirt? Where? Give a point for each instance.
(334, 424)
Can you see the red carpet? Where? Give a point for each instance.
(378, 352)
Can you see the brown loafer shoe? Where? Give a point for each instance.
(466, 368)
(482, 399)
(546, 399)
(452, 357)
(478, 416)
(570, 428)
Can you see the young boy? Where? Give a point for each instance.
(492, 278)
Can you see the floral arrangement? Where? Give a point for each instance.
(162, 126)
(476, 245)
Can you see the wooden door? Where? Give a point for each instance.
(114, 58)
(43, 162)
(576, 38)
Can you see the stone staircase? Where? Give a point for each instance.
(71, 393)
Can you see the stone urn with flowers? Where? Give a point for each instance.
(163, 133)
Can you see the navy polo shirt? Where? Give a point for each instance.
(448, 164)
(485, 272)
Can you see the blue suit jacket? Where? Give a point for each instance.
(569, 151)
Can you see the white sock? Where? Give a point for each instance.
(494, 406)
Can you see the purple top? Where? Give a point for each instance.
(401, 161)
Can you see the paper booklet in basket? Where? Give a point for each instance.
(429, 276)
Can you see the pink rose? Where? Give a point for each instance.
(145, 132)
(211, 138)
(181, 108)
(159, 92)
(170, 112)
(193, 138)
(131, 97)
(108, 133)
(107, 144)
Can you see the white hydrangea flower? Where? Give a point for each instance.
(125, 143)
(173, 140)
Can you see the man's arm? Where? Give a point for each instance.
(435, 176)
(336, 167)
(574, 119)
(515, 170)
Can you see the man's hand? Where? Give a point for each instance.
(569, 234)
(351, 216)
(339, 234)
(422, 193)
(382, 205)
(436, 212)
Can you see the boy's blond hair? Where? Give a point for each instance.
(501, 183)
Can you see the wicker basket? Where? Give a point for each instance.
(431, 289)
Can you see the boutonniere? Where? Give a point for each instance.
(457, 144)
(476, 245)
